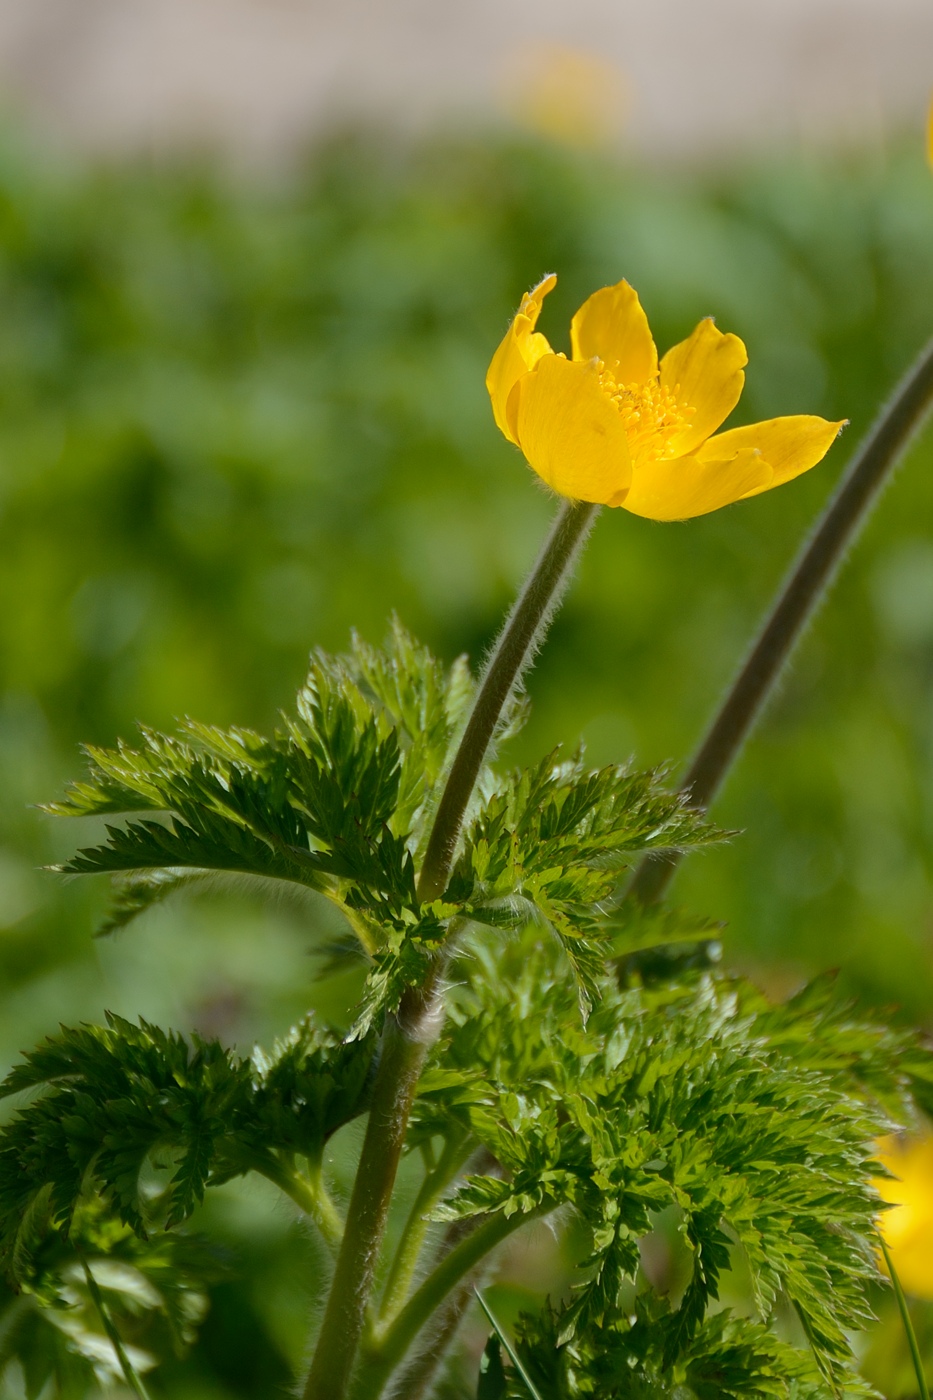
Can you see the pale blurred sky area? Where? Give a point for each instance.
(661, 77)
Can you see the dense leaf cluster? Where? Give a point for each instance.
(752, 1122)
(120, 1096)
(338, 801)
(679, 1095)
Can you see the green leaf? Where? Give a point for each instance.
(115, 1095)
(337, 800)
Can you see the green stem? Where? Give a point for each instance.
(905, 1319)
(413, 1382)
(522, 633)
(408, 1035)
(390, 1349)
(405, 1044)
(457, 1149)
(311, 1196)
(802, 591)
(126, 1365)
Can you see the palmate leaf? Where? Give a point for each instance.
(115, 1095)
(339, 800)
(336, 800)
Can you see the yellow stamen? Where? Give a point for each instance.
(651, 414)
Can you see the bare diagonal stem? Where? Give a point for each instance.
(801, 593)
(126, 1366)
(409, 1035)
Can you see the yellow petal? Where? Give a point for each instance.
(686, 487)
(908, 1228)
(704, 372)
(790, 445)
(571, 432)
(520, 350)
(612, 325)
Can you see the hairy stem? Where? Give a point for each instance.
(456, 1151)
(523, 630)
(391, 1348)
(802, 591)
(405, 1044)
(408, 1036)
(414, 1380)
(311, 1196)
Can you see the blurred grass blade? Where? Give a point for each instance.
(510, 1351)
(126, 1366)
(905, 1318)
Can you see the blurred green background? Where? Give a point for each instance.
(237, 419)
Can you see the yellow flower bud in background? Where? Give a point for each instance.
(616, 426)
(908, 1226)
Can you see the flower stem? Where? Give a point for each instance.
(405, 1044)
(803, 589)
(409, 1034)
(522, 633)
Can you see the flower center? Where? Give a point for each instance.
(651, 414)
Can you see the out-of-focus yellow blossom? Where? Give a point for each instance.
(568, 95)
(616, 426)
(908, 1227)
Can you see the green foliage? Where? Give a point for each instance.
(552, 844)
(119, 1097)
(335, 801)
(338, 800)
(753, 1121)
(154, 1291)
(179, 508)
(730, 1357)
(675, 1091)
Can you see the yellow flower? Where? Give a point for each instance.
(615, 426)
(908, 1227)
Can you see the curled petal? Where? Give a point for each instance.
(612, 326)
(704, 372)
(685, 487)
(521, 349)
(571, 432)
(789, 445)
